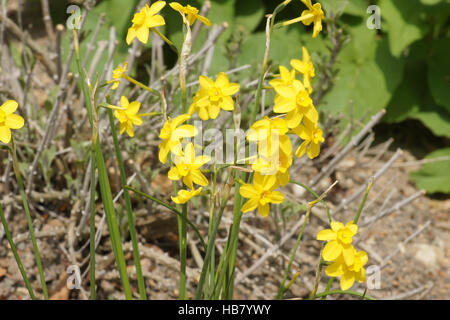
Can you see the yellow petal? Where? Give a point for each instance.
(250, 205)
(313, 150)
(204, 20)
(156, 7)
(163, 152)
(5, 134)
(302, 149)
(276, 197)
(227, 103)
(9, 107)
(332, 250)
(248, 191)
(264, 210)
(349, 254)
(352, 226)
(199, 178)
(326, 235)
(14, 121)
(213, 111)
(336, 226)
(155, 21)
(347, 280)
(335, 269)
(285, 92)
(174, 174)
(230, 89)
(142, 34)
(205, 82)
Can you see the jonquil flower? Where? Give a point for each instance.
(184, 195)
(304, 67)
(296, 103)
(339, 239)
(351, 273)
(172, 134)
(261, 193)
(9, 120)
(190, 12)
(264, 131)
(313, 14)
(117, 75)
(312, 136)
(144, 20)
(128, 115)
(214, 96)
(187, 167)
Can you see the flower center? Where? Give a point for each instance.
(215, 94)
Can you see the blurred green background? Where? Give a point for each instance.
(403, 67)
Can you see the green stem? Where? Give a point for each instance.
(28, 215)
(141, 85)
(354, 293)
(92, 227)
(282, 289)
(16, 255)
(363, 202)
(330, 282)
(130, 216)
(105, 188)
(166, 40)
(183, 252)
(315, 195)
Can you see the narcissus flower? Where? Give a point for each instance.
(187, 167)
(117, 75)
(128, 115)
(144, 20)
(172, 134)
(214, 96)
(265, 131)
(9, 120)
(313, 14)
(304, 67)
(261, 193)
(190, 12)
(350, 273)
(184, 195)
(312, 136)
(339, 239)
(296, 103)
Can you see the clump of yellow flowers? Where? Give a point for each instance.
(346, 262)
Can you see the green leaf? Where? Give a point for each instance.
(413, 100)
(357, 8)
(334, 6)
(434, 177)
(368, 75)
(249, 14)
(439, 72)
(430, 2)
(405, 23)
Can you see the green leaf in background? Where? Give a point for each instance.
(334, 6)
(405, 23)
(434, 177)
(431, 2)
(249, 14)
(368, 75)
(413, 100)
(357, 8)
(439, 72)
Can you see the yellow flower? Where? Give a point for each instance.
(351, 273)
(305, 67)
(117, 75)
(184, 195)
(265, 130)
(128, 116)
(215, 96)
(286, 78)
(340, 242)
(9, 120)
(312, 136)
(261, 193)
(267, 165)
(296, 103)
(187, 167)
(172, 134)
(144, 20)
(205, 111)
(190, 12)
(314, 14)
